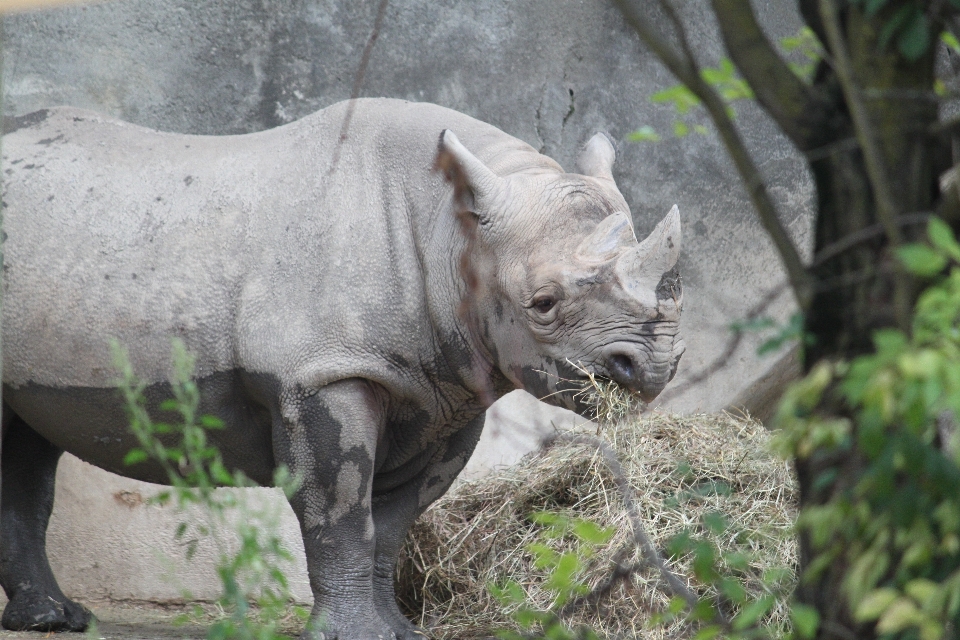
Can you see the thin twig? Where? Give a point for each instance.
(685, 68)
(357, 85)
(798, 108)
(863, 235)
(621, 573)
(674, 585)
(733, 343)
(845, 145)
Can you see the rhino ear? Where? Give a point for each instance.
(642, 268)
(484, 183)
(613, 232)
(596, 158)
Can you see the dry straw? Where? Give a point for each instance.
(679, 468)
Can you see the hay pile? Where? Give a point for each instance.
(477, 533)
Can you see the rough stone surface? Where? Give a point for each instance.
(551, 72)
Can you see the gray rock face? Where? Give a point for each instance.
(337, 329)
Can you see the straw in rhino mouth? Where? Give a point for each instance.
(611, 401)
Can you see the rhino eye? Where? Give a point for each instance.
(543, 304)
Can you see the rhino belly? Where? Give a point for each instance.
(92, 424)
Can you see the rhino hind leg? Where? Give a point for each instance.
(29, 467)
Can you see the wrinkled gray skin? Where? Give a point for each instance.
(323, 313)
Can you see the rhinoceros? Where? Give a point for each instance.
(327, 307)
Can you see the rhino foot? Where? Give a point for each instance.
(32, 611)
(353, 632)
(402, 627)
(332, 634)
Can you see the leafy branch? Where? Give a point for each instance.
(681, 62)
(194, 469)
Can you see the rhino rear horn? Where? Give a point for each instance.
(610, 235)
(484, 183)
(642, 268)
(596, 158)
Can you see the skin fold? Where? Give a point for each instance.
(328, 312)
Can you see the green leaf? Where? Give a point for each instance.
(510, 593)
(715, 522)
(752, 613)
(915, 39)
(921, 259)
(135, 456)
(211, 422)
(544, 556)
(941, 236)
(894, 24)
(547, 518)
(950, 40)
(708, 633)
(875, 603)
(901, 613)
(680, 128)
(683, 99)
(733, 590)
(758, 323)
(872, 6)
(644, 134)
(806, 620)
(921, 590)
(677, 604)
(592, 533)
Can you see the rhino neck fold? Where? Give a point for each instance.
(453, 311)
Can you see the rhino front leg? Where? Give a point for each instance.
(328, 438)
(394, 513)
(29, 466)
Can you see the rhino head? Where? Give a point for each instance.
(564, 286)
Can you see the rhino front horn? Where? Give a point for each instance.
(640, 270)
(484, 183)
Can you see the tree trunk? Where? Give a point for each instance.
(855, 288)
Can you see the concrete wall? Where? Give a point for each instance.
(551, 72)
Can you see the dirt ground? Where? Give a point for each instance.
(127, 622)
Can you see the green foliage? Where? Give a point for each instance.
(564, 577)
(782, 334)
(728, 84)
(896, 522)
(725, 606)
(909, 26)
(194, 469)
(723, 78)
(643, 134)
(808, 47)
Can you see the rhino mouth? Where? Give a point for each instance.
(590, 391)
(608, 401)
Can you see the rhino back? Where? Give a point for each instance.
(244, 246)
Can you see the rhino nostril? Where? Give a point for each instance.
(621, 369)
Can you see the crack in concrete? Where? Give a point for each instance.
(536, 124)
(570, 110)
